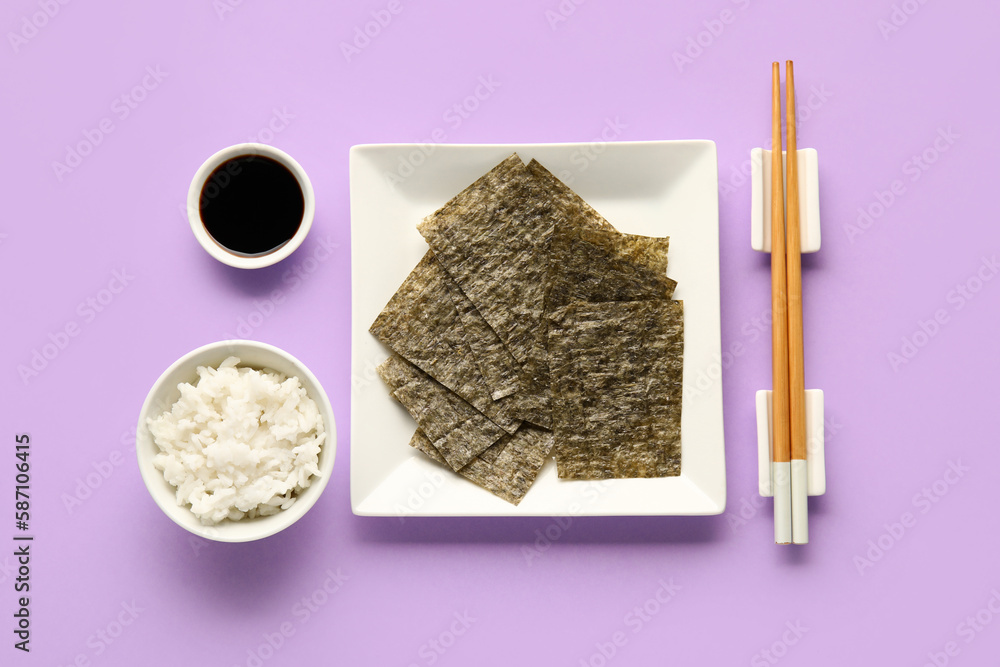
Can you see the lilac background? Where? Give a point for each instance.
(891, 432)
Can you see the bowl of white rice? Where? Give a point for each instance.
(236, 440)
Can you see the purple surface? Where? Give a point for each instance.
(879, 97)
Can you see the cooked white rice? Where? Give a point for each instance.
(239, 443)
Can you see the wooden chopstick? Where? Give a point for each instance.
(780, 448)
(796, 382)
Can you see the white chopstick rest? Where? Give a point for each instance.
(760, 199)
(815, 444)
(781, 481)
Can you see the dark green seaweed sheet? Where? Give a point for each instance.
(617, 377)
(499, 368)
(590, 260)
(420, 323)
(597, 265)
(501, 372)
(507, 468)
(459, 431)
(571, 205)
(492, 239)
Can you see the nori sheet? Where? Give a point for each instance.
(507, 468)
(492, 239)
(420, 323)
(502, 374)
(617, 378)
(499, 368)
(459, 431)
(597, 265)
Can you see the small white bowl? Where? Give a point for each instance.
(225, 255)
(165, 393)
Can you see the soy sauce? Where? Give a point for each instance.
(251, 204)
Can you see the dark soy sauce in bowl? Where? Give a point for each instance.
(251, 205)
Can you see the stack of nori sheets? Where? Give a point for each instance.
(533, 325)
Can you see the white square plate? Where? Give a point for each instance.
(656, 188)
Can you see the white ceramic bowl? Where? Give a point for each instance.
(165, 393)
(236, 259)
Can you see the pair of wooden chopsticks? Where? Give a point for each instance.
(788, 422)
